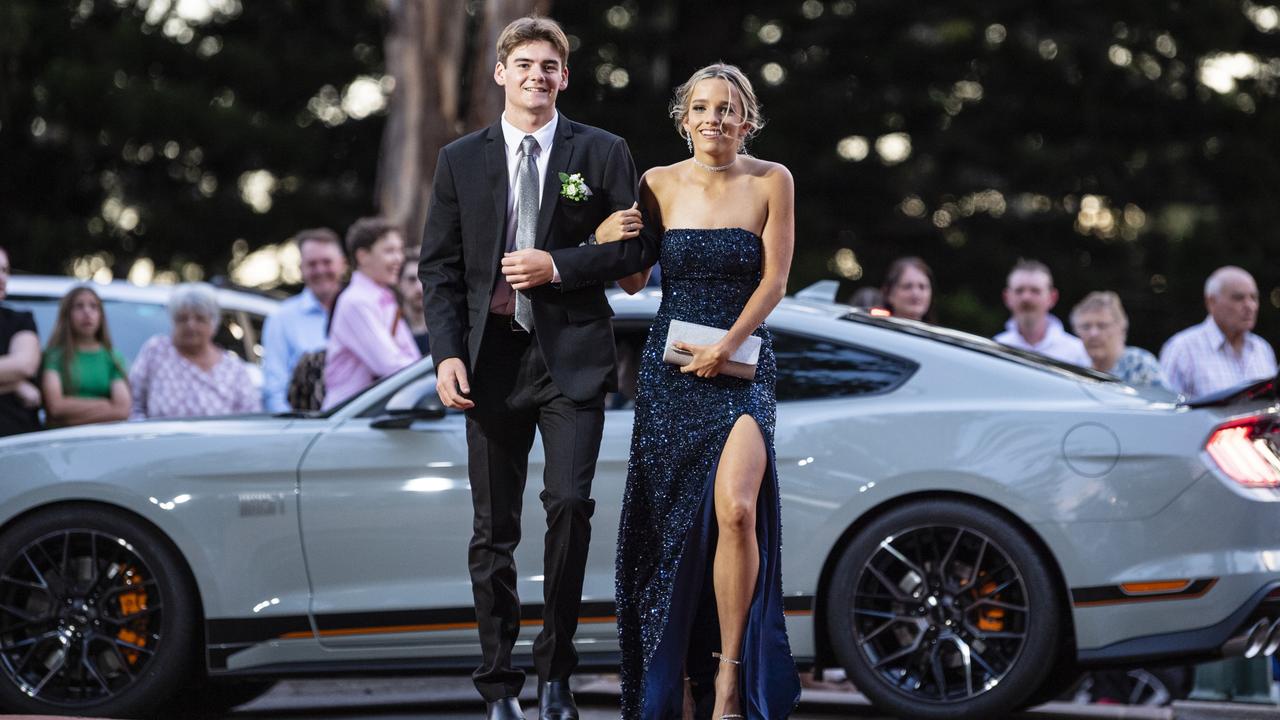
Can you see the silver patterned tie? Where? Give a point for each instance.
(526, 217)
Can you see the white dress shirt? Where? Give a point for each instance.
(504, 299)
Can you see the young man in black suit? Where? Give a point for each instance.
(522, 340)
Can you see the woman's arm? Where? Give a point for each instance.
(23, 359)
(610, 231)
(71, 410)
(779, 244)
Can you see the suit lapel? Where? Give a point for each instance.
(495, 165)
(561, 156)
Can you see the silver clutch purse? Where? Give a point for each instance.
(741, 364)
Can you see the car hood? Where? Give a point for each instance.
(223, 425)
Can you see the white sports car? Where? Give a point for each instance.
(963, 526)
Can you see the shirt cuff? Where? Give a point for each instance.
(555, 273)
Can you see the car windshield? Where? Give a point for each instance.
(975, 343)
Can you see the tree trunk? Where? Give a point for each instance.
(442, 61)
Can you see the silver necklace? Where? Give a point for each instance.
(714, 168)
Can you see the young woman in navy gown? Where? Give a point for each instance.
(699, 587)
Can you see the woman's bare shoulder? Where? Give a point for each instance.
(660, 175)
(767, 170)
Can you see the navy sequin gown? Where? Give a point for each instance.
(667, 620)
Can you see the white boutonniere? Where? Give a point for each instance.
(573, 188)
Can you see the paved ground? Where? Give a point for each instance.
(453, 698)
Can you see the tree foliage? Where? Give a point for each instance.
(1130, 145)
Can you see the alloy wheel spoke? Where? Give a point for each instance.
(888, 547)
(977, 566)
(904, 652)
(61, 663)
(892, 587)
(21, 614)
(87, 663)
(990, 602)
(30, 641)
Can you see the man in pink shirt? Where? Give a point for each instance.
(368, 339)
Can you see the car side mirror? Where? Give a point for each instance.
(416, 401)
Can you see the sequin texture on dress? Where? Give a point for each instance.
(666, 614)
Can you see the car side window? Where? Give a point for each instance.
(812, 368)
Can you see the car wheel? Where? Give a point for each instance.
(96, 614)
(940, 609)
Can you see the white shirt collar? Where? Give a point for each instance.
(545, 135)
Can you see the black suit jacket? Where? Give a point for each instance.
(465, 238)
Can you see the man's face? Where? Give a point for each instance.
(1235, 307)
(1029, 295)
(323, 266)
(533, 76)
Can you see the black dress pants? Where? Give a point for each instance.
(514, 395)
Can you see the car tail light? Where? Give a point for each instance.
(1246, 451)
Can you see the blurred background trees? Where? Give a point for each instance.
(1130, 145)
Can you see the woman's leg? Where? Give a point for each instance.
(737, 558)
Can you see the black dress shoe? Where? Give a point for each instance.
(507, 708)
(555, 702)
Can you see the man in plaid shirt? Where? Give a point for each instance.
(1220, 352)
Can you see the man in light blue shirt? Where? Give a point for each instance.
(299, 325)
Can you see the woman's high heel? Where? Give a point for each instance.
(731, 661)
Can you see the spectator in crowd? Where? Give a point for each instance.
(299, 325)
(1030, 295)
(1220, 352)
(410, 292)
(908, 289)
(84, 379)
(185, 374)
(19, 362)
(1100, 321)
(368, 338)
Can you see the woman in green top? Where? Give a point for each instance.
(92, 386)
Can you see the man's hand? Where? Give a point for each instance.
(452, 385)
(621, 225)
(528, 268)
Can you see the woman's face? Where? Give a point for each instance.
(911, 296)
(192, 331)
(714, 119)
(411, 290)
(382, 261)
(1101, 332)
(86, 316)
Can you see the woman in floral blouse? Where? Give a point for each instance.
(186, 374)
(1100, 321)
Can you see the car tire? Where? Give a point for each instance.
(97, 614)
(941, 609)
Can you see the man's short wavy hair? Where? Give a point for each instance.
(533, 29)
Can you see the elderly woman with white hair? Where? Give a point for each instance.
(185, 374)
(1100, 321)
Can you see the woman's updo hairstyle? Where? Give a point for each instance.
(741, 89)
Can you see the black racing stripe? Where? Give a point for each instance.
(797, 603)
(1108, 594)
(231, 631)
(240, 631)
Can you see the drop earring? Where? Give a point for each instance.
(688, 141)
